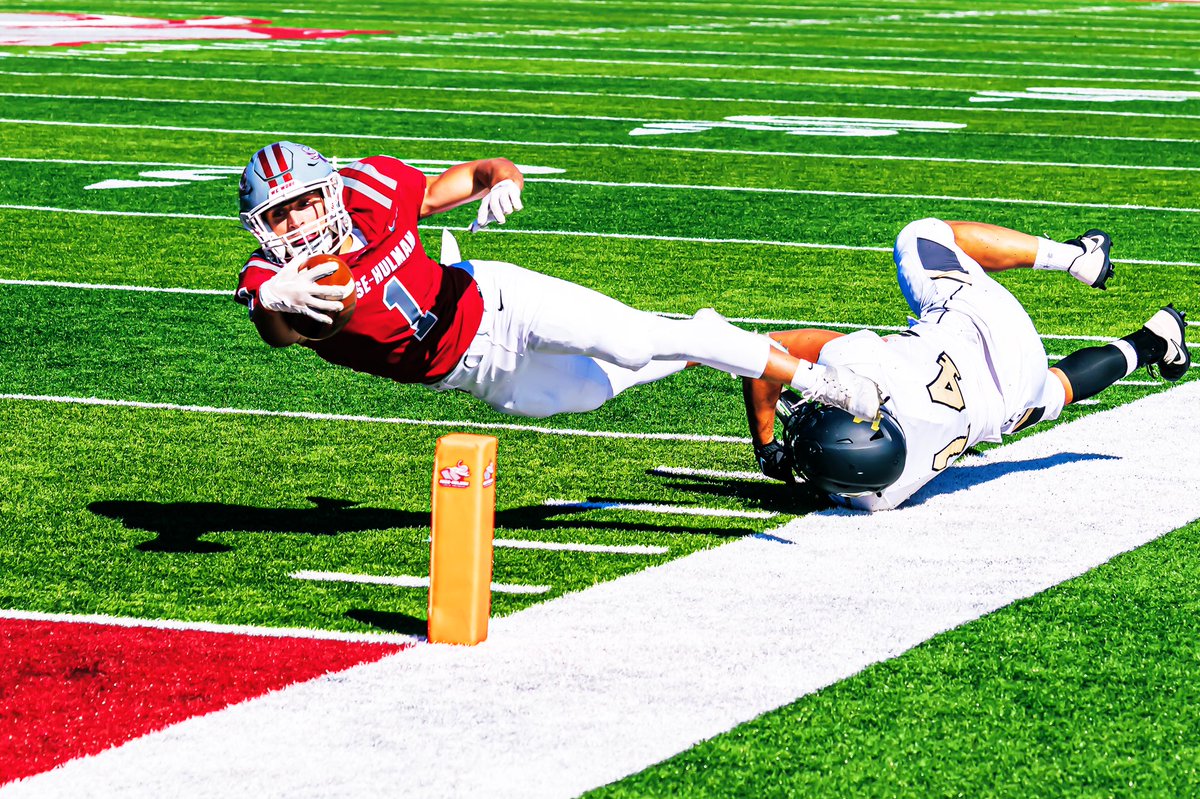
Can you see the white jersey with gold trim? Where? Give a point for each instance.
(936, 385)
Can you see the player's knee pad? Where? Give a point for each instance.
(930, 228)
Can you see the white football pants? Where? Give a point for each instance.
(948, 280)
(548, 346)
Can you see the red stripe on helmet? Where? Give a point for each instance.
(267, 171)
(280, 161)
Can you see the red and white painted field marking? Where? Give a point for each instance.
(593, 686)
(69, 689)
(49, 29)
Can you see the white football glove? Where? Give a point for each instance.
(500, 201)
(292, 290)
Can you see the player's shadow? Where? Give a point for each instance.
(774, 496)
(799, 499)
(180, 526)
(963, 476)
(560, 517)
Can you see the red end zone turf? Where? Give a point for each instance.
(68, 690)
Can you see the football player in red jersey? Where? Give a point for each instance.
(523, 342)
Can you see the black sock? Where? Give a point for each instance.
(1093, 369)
(1150, 348)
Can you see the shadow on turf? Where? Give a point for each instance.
(390, 622)
(179, 526)
(963, 478)
(798, 499)
(774, 496)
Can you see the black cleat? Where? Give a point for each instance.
(1093, 267)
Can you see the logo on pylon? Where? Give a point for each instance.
(455, 476)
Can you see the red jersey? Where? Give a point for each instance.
(414, 318)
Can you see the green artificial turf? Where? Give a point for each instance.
(164, 512)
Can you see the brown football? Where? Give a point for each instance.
(311, 328)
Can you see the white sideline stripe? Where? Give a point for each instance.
(654, 662)
(678, 471)
(207, 627)
(564, 546)
(647, 507)
(749, 320)
(407, 581)
(338, 417)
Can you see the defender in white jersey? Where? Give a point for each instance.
(970, 368)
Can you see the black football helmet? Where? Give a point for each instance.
(840, 455)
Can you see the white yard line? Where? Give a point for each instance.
(677, 471)
(863, 195)
(670, 510)
(458, 44)
(338, 417)
(590, 687)
(207, 627)
(113, 287)
(990, 77)
(747, 320)
(566, 546)
(692, 66)
(575, 145)
(407, 581)
(829, 156)
(90, 98)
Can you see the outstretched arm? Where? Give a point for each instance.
(463, 183)
(761, 397)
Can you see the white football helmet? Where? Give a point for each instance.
(281, 172)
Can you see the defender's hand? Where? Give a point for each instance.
(501, 200)
(775, 461)
(295, 290)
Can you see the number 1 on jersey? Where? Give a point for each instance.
(397, 298)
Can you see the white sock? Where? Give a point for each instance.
(1056, 255)
(1131, 356)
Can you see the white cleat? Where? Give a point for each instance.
(1169, 325)
(844, 389)
(1093, 267)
